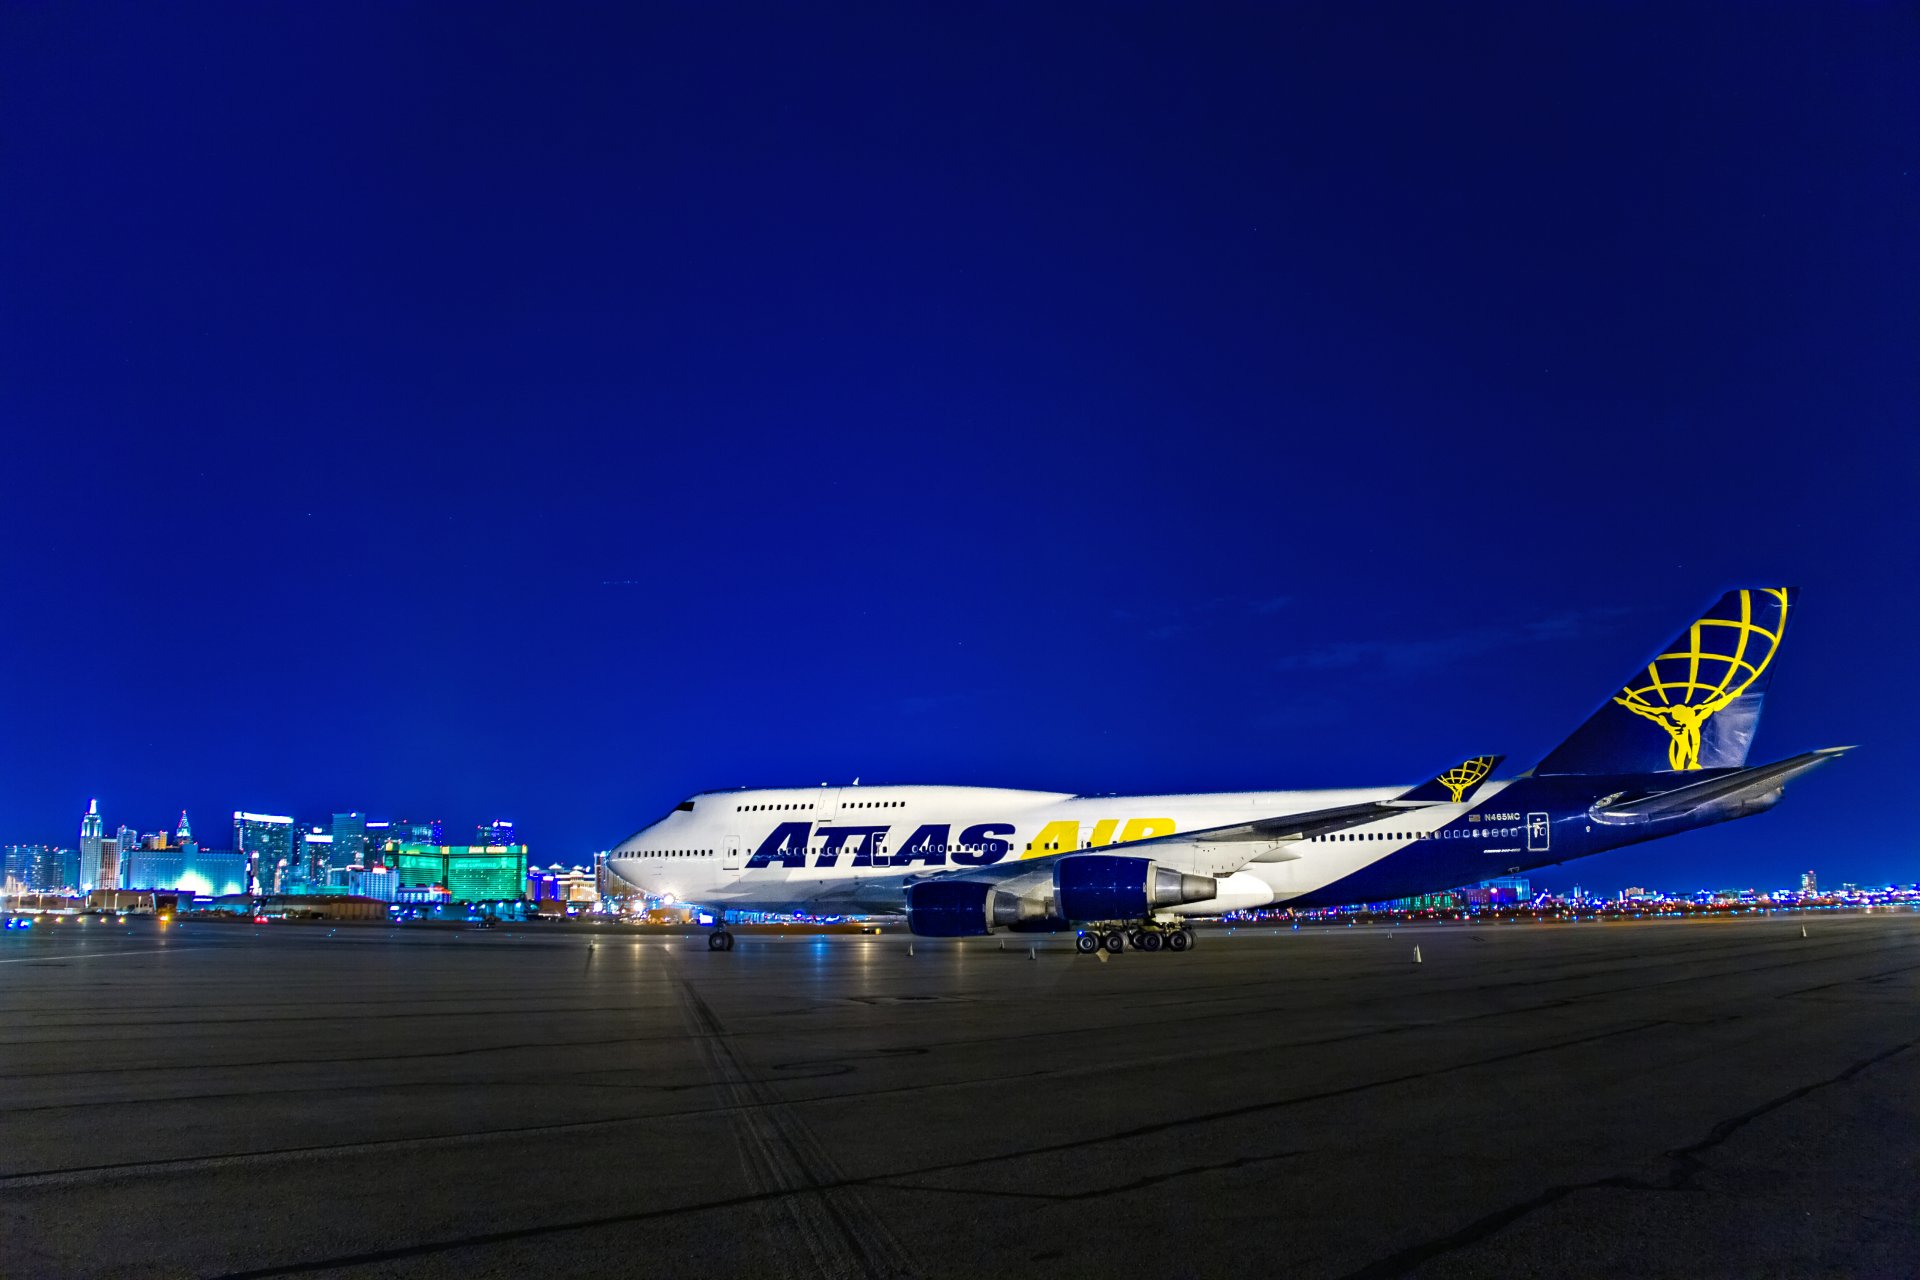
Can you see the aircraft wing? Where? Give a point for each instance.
(1758, 783)
(1273, 831)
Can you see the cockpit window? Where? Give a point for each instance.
(685, 806)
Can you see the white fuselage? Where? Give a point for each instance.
(854, 849)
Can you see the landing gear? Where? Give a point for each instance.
(719, 940)
(1147, 935)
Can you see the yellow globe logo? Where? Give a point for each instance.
(1714, 662)
(1457, 779)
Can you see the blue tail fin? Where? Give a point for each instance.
(1697, 703)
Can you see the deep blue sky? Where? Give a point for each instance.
(546, 412)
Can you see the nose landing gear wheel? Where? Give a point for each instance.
(1179, 940)
(1086, 944)
(719, 940)
(1115, 942)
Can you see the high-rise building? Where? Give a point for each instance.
(265, 840)
(373, 882)
(129, 840)
(91, 828)
(1809, 884)
(496, 833)
(40, 868)
(214, 872)
(316, 856)
(109, 877)
(349, 840)
(469, 873)
(183, 836)
(24, 868)
(384, 838)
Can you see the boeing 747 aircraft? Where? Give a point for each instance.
(1667, 753)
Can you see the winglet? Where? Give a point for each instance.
(1455, 785)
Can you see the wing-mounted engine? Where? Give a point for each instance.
(1102, 886)
(967, 909)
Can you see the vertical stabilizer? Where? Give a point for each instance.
(1695, 704)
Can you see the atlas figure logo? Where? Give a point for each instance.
(1716, 661)
(1464, 775)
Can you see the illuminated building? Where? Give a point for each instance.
(213, 872)
(265, 840)
(109, 873)
(315, 860)
(385, 836)
(349, 840)
(498, 832)
(373, 882)
(1809, 884)
(38, 868)
(154, 866)
(562, 884)
(90, 836)
(469, 873)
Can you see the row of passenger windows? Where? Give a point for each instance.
(1498, 833)
(683, 853)
(862, 804)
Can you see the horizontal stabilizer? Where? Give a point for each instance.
(1760, 782)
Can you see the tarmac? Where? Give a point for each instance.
(1700, 1098)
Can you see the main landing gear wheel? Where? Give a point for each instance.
(1115, 942)
(1086, 944)
(719, 940)
(1148, 941)
(1179, 940)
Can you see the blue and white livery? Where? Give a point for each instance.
(1668, 753)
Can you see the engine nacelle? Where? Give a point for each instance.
(965, 909)
(1106, 886)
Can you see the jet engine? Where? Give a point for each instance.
(965, 909)
(1104, 886)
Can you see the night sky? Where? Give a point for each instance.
(546, 412)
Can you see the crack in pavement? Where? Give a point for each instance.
(1095, 1193)
(884, 1181)
(1684, 1163)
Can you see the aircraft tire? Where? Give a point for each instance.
(719, 940)
(1179, 940)
(1087, 943)
(1149, 941)
(1114, 942)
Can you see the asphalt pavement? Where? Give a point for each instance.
(1721, 1097)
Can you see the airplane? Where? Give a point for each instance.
(1666, 754)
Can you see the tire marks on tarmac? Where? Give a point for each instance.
(803, 1195)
